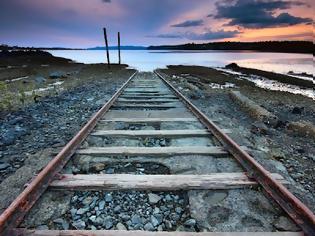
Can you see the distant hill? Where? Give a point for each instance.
(122, 48)
(6, 47)
(267, 46)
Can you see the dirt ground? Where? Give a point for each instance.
(275, 146)
(30, 131)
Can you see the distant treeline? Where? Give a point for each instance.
(267, 46)
(5, 47)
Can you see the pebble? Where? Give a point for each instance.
(81, 211)
(168, 224)
(190, 222)
(136, 219)
(154, 198)
(80, 224)
(149, 227)
(4, 166)
(121, 226)
(117, 209)
(108, 197)
(108, 223)
(154, 221)
(101, 205)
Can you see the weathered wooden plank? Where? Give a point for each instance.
(156, 100)
(156, 151)
(154, 133)
(147, 233)
(171, 113)
(155, 182)
(146, 94)
(148, 120)
(127, 96)
(120, 105)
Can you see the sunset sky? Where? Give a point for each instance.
(78, 23)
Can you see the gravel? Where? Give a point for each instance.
(51, 122)
(132, 210)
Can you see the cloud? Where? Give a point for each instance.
(189, 23)
(208, 35)
(211, 35)
(107, 1)
(165, 36)
(259, 13)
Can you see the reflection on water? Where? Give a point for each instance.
(145, 60)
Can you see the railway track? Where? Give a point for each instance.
(149, 139)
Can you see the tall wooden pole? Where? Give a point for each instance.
(107, 52)
(119, 59)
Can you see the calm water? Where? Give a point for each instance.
(145, 60)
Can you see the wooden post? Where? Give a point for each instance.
(107, 52)
(119, 59)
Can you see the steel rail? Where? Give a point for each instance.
(15, 213)
(298, 212)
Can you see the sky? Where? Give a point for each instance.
(78, 23)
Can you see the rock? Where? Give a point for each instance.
(101, 205)
(154, 198)
(4, 166)
(190, 222)
(156, 210)
(8, 137)
(40, 79)
(73, 211)
(82, 211)
(58, 221)
(42, 227)
(125, 217)
(168, 224)
(110, 171)
(136, 219)
(154, 221)
(108, 223)
(149, 227)
(232, 66)
(168, 198)
(16, 120)
(108, 197)
(80, 224)
(121, 226)
(117, 209)
(98, 167)
(162, 143)
(297, 110)
(87, 201)
(92, 218)
(65, 225)
(178, 210)
(98, 221)
(181, 228)
(57, 75)
(259, 128)
(285, 224)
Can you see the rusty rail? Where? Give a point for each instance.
(15, 213)
(299, 213)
